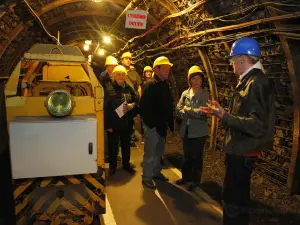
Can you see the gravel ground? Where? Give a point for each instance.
(270, 203)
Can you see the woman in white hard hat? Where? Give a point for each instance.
(120, 108)
(194, 128)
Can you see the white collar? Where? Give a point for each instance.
(257, 65)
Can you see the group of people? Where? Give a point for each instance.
(249, 121)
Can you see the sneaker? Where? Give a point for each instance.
(192, 186)
(161, 177)
(149, 184)
(180, 182)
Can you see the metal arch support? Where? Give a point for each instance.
(69, 15)
(214, 94)
(294, 173)
(51, 6)
(84, 33)
(18, 29)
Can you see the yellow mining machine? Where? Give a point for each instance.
(54, 111)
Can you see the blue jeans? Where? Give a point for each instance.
(153, 151)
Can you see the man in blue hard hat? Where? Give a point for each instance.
(249, 126)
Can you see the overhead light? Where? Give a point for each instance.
(86, 47)
(101, 51)
(107, 39)
(90, 58)
(88, 42)
(97, 0)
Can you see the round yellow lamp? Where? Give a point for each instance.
(59, 103)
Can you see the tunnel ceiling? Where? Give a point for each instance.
(189, 32)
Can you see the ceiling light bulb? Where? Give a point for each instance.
(101, 52)
(90, 58)
(107, 39)
(88, 42)
(86, 47)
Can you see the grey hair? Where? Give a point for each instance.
(254, 59)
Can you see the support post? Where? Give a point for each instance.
(214, 95)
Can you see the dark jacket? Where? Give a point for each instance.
(157, 106)
(251, 119)
(114, 96)
(133, 79)
(105, 79)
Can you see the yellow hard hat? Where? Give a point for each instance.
(126, 55)
(162, 61)
(110, 60)
(194, 69)
(148, 68)
(120, 69)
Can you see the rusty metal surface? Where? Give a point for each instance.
(292, 179)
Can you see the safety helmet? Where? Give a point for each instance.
(126, 55)
(245, 46)
(162, 61)
(194, 69)
(110, 60)
(148, 68)
(120, 69)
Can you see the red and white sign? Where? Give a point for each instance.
(136, 19)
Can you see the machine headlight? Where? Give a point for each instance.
(59, 103)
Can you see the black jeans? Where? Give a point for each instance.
(193, 158)
(236, 189)
(113, 147)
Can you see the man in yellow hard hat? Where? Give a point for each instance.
(119, 126)
(106, 76)
(156, 109)
(105, 80)
(132, 78)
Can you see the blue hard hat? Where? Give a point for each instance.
(245, 46)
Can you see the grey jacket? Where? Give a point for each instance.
(198, 126)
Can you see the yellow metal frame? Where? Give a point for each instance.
(34, 197)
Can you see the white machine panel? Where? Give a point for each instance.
(46, 146)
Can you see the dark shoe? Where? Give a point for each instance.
(192, 186)
(129, 169)
(162, 161)
(149, 184)
(112, 171)
(180, 182)
(161, 177)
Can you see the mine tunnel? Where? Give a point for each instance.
(188, 33)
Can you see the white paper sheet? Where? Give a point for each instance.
(120, 110)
